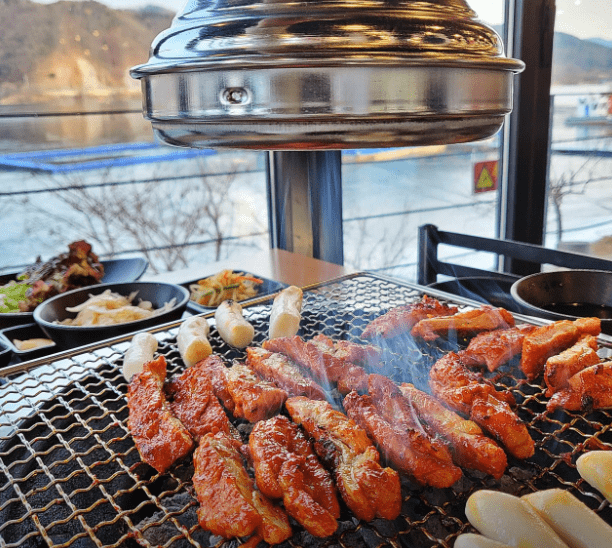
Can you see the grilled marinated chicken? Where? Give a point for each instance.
(230, 505)
(468, 445)
(463, 324)
(367, 355)
(287, 468)
(558, 369)
(215, 370)
(195, 404)
(161, 439)
(368, 489)
(494, 348)
(411, 451)
(548, 340)
(401, 319)
(283, 372)
(317, 357)
(587, 390)
(255, 399)
(469, 394)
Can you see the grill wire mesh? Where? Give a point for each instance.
(70, 475)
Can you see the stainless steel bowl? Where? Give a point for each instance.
(320, 74)
(567, 295)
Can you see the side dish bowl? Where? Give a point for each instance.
(567, 295)
(267, 287)
(49, 313)
(115, 270)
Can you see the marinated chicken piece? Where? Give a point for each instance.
(317, 357)
(463, 324)
(367, 355)
(401, 319)
(586, 391)
(450, 372)
(195, 404)
(410, 451)
(283, 372)
(255, 399)
(161, 439)
(215, 370)
(468, 445)
(287, 468)
(494, 348)
(548, 340)
(230, 505)
(558, 369)
(368, 489)
(474, 397)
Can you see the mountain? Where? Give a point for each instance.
(578, 61)
(86, 49)
(72, 47)
(601, 42)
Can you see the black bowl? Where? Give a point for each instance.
(22, 333)
(69, 336)
(266, 288)
(5, 354)
(567, 295)
(115, 270)
(488, 290)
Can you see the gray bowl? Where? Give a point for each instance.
(567, 295)
(69, 336)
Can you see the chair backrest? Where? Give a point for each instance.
(429, 266)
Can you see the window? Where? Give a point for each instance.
(579, 192)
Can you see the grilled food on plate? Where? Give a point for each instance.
(283, 372)
(141, 350)
(234, 329)
(401, 319)
(286, 313)
(368, 489)
(161, 439)
(287, 468)
(230, 504)
(510, 520)
(192, 340)
(596, 468)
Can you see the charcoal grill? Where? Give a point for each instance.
(70, 475)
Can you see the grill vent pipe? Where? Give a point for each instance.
(326, 74)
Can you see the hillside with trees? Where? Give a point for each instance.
(72, 48)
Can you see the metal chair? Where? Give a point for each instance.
(430, 266)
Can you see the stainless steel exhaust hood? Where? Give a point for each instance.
(326, 74)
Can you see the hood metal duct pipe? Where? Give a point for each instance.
(323, 75)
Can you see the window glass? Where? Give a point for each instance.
(580, 167)
(79, 161)
(388, 194)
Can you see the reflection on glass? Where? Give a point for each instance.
(579, 190)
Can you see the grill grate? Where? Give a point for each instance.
(70, 475)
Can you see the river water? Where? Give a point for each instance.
(427, 188)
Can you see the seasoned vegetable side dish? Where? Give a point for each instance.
(80, 267)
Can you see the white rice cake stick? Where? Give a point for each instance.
(510, 520)
(192, 340)
(596, 468)
(232, 326)
(470, 540)
(286, 313)
(142, 349)
(574, 521)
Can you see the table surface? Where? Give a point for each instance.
(274, 264)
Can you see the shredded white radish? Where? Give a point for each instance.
(110, 308)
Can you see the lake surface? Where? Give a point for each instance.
(434, 189)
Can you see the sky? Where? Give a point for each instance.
(581, 18)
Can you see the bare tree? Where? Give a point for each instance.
(569, 182)
(159, 217)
